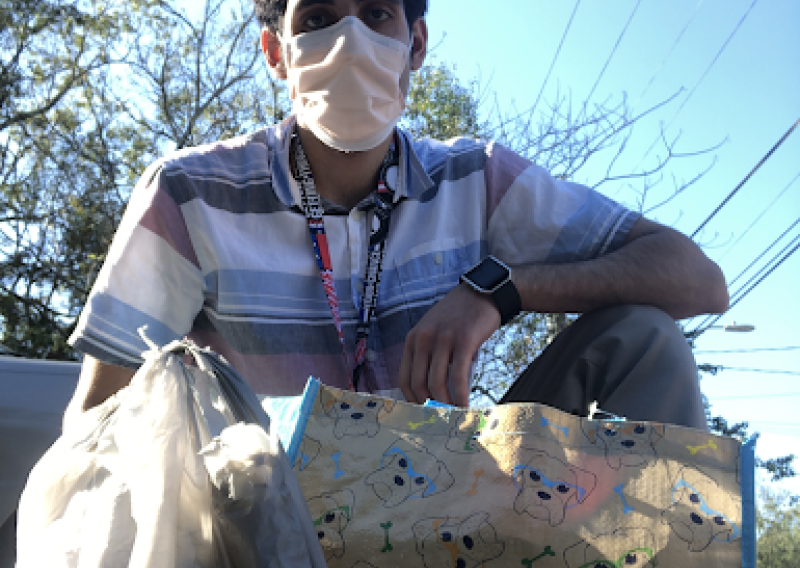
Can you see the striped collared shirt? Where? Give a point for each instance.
(214, 246)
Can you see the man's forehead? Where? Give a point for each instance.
(300, 4)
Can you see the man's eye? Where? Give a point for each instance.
(316, 21)
(379, 15)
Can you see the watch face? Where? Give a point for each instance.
(488, 275)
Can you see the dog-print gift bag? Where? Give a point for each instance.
(393, 484)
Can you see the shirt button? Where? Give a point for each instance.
(438, 258)
(372, 356)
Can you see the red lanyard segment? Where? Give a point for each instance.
(312, 207)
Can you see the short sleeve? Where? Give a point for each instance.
(151, 277)
(533, 217)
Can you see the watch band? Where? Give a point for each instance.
(500, 288)
(507, 299)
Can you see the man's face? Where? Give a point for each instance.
(386, 17)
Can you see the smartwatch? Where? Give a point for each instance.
(493, 278)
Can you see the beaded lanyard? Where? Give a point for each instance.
(312, 207)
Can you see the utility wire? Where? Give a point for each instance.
(754, 396)
(752, 350)
(711, 319)
(747, 177)
(795, 244)
(613, 51)
(553, 63)
(669, 54)
(738, 293)
(702, 78)
(697, 330)
(757, 219)
(765, 251)
(749, 370)
(737, 296)
(772, 422)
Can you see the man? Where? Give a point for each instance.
(228, 244)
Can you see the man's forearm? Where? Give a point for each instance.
(657, 266)
(98, 381)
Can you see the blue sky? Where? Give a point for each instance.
(748, 98)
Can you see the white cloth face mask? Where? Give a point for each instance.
(345, 83)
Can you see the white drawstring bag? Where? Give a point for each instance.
(179, 469)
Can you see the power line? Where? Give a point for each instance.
(755, 396)
(793, 245)
(750, 370)
(765, 251)
(705, 73)
(752, 350)
(555, 57)
(796, 244)
(711, 319)
(613, 51)
(791, 248)
(772, 422)
(747, 177)
(768, 207)
(669, 54)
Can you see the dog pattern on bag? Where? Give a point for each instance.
(408, 471)
(354, 417)
(700, 512)
(615, 554)
(536, 489)
(457, 543)
(548, 487)
(626, 444)
(331, 513)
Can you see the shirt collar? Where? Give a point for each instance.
(413, 180)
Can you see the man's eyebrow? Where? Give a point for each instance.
(306, 3)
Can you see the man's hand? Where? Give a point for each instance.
(446, 339)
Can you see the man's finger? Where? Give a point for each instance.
(419, 366)
(404, 375)
(460, 374)
(439, 369)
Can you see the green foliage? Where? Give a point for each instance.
(46, 50)
(440, 107)
(778, 529)
(90, 94)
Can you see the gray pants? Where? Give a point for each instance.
(633, 360)
(8, 541)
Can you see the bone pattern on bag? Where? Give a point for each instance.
(522, 485)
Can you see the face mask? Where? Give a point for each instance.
(345, 83)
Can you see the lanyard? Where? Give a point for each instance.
(312, 207)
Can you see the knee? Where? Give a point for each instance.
(651, 325)
(646, 318)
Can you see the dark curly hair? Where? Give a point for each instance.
(271, 12)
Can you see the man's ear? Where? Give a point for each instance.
(271, 46)
(419, 39)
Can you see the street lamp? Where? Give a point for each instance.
(735, 327)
